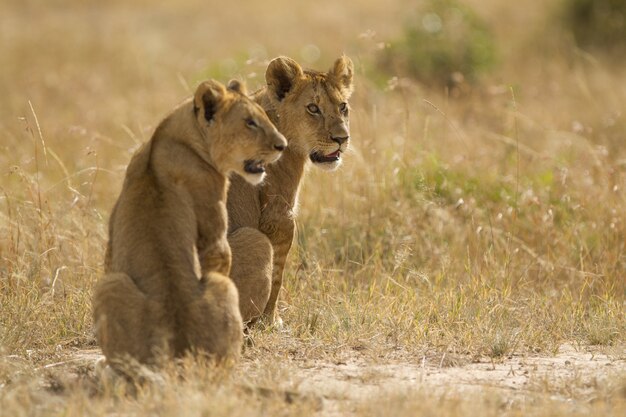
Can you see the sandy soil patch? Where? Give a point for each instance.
(517, 377)
(573, 374)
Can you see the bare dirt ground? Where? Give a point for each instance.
(340, 386)
(517, 377)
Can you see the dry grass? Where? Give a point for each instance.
(486, 225)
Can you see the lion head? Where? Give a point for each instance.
(242, 138)
(311, 108)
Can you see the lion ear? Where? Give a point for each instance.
(342, 72)
(281, 74)
(208, 98)
(238, 86)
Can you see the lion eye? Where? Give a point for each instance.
(313, 109)
(251, 123)
(343, 107)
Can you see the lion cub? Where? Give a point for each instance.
(311, 109)
(170, 216)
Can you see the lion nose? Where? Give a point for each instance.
(281, 142)
(340, 139)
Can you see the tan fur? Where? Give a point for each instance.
(171, 215)
(261, 219)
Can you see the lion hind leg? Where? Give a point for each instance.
(127, 323)
(251, 270)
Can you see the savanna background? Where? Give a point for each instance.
(469, 257)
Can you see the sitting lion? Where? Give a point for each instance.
(311, 109)
(170, 217)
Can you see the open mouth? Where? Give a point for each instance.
(254, 166)
(319, 158)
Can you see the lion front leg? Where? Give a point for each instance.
(251, 270)
(215, 257)
(280, 234)
(280, 258)
(215, 326)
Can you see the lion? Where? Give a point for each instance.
(311, 109)
(166, 288)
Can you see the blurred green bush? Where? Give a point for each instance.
(444, 43)
(596, 23)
